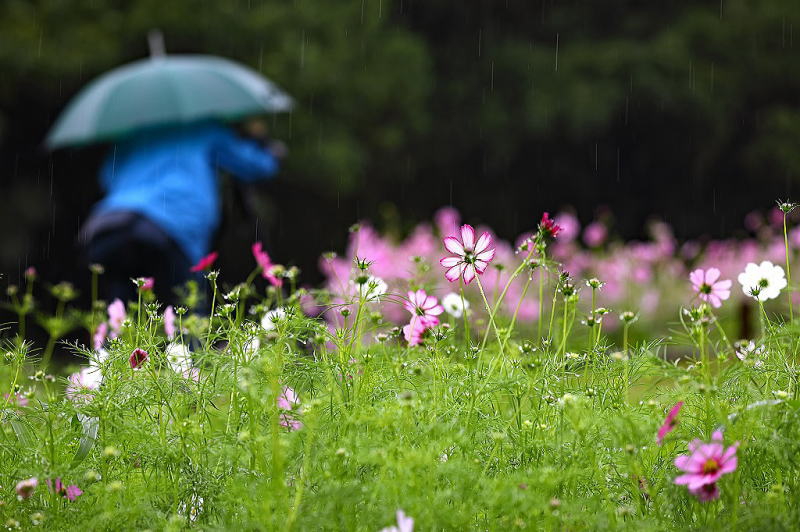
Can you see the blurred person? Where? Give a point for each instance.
(162, 201)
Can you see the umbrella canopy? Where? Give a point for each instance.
(164, 90)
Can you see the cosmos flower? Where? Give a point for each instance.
(372, 288)
(705, 465)
(454, 305)
(71, 492)
(288, 402)
(25, 488)
(272, 316)
(205, 263)
(169, 322)
(83, 383)
(548, 227)
(138, 357)
(99, 335)
(424, 310)
(708, 286)
(404, 523)
(762, 281)
(669, 423)
(116, 315)
(265, 263)
(471, 257)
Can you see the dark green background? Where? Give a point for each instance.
(689, 111)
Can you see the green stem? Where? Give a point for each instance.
(788, 271)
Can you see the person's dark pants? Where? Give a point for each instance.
(129, 245)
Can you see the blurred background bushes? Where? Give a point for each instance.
(687, 111)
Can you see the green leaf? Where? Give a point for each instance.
(90, 427)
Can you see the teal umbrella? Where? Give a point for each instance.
(164, 90)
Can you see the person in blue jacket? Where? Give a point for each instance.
(162, 201)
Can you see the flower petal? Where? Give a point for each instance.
(468, 237)
(452, 245)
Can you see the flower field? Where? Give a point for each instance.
(447, 381)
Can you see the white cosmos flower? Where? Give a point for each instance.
(372, 289)
(178, 357)
(269, 319)
(452, 304)
(762, 281)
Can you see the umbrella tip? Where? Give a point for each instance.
(155, 40)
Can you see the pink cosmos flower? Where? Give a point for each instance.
(288, 402)
(548, 227)
(263, 260)
(205, 263)
(99, 335)
(30, 272)
(169, 322)
(669, 423)
(705, 465)
(708, 286)
(404, 523)
(595, 234)
(570, 226)
(71, 492)
(471, 257)
(424, 310)
(138, 357)
(149, 284)
(81, 384)
(25, 488)
(116, 315)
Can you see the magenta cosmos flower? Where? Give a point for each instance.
(471, 257)
(708, 286)
(265, 263)
(548, 227)
(205, 263)
(71, 492)
(138, 357)
(424, 310)
(669, 423)
(705, 465)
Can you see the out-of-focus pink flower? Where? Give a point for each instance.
(705, 465)
(17, 399)
(289, 403)
(30, 273)
(116, 315)
(424, 310)
(71, 492)
(670, 423)
(471, 257)
(548, 227)
(595, 234)
(205, 263)
(706, 492)
(447, 220)
(25, 488)
(99, 335)
(570, 226)
(776, 218)
(708, 286)
(83, 383)
(404, 523)
(138, 357)
(149, 284)
(265, 263)
(169, 322)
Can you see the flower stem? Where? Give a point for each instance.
(788, 271)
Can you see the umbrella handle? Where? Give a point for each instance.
(155, 41)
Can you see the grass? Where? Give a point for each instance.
(527, 434)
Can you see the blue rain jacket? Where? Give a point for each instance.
(170, 176)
